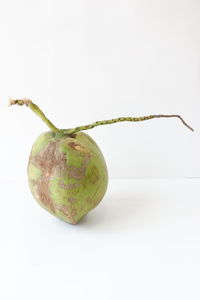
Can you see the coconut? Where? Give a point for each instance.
(67, 172)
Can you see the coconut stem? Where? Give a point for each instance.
(130, 119)
(71, 131)
(36, 110)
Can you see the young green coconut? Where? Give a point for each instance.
(67, 173)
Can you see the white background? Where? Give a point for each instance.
(83, 61)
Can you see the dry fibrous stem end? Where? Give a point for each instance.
(24, 101)
(36, 110)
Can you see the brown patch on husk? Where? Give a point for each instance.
(79, 172)
(69, 186)
(78, 147)
(49, 160)
(72, 199)
(69, 213)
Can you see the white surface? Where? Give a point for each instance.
(142, 242)
(86, 60)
